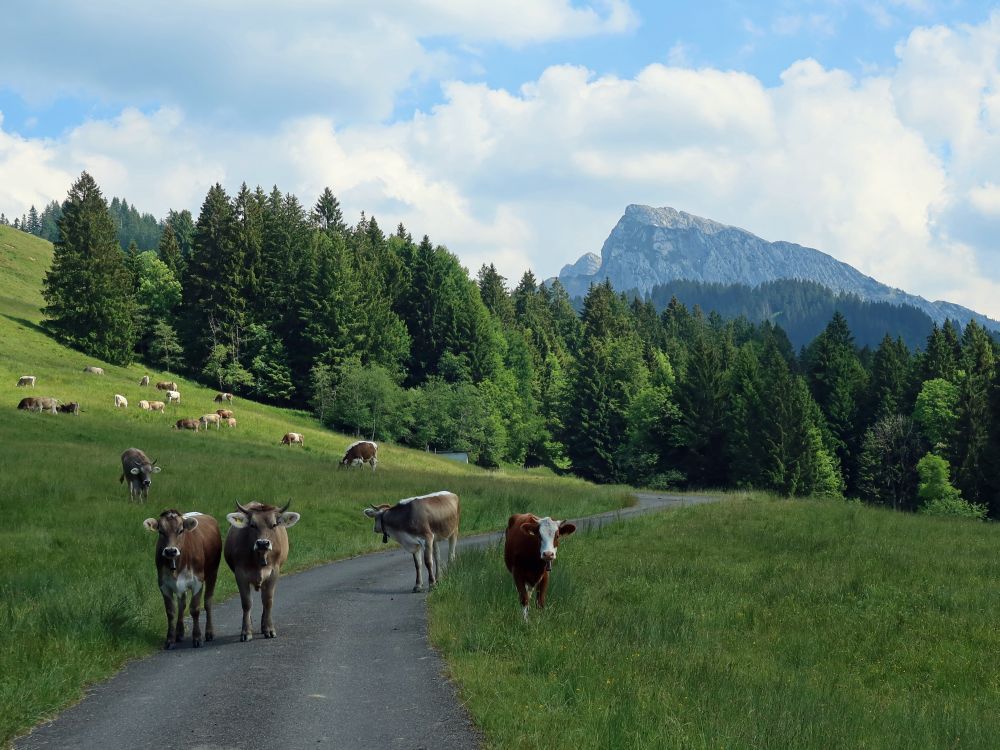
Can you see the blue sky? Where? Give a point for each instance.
(516, 131)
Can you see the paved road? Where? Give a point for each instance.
(351, 668)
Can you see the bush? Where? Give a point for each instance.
(938, 496)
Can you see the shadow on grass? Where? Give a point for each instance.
(28, 324)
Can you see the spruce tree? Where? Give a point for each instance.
(170, 253)
(326, 214)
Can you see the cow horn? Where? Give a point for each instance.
(240, 507)
(154, 462)
(285, 507)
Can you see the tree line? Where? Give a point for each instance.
(389, 337)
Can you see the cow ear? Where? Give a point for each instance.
(530, 528)
(190, 523)
(151, 524)
(135, 470)
(237, 520)
(289, 518)
(566, 529)
(156, 469)
(370, 512)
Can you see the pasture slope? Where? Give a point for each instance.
(77, 585)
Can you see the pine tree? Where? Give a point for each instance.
(975, 420)
(34, 224)
(326, 214)
(170, 253)
(493, 291)
(89, 292)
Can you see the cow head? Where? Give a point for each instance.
(548, 533)
(261, 522)
(171, 526)
(376, 512)
(143, 474)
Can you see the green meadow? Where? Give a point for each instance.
(78, 595)
(754, 623)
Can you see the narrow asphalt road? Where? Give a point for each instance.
(351, 668)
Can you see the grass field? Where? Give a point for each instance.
(78, 595)
(755, 623)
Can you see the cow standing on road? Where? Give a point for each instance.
(419, 524)
(360, 453)
(139, 470)
(529, 549)
(256, 548)
(188, 551)
(26, 380)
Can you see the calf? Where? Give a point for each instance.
(207, 419)
(291, 438)
(360, 453)
(94, 370)
(529, 549)
(39, 404)
(224, 413)
(144, 405)
(224, 397)
(120, 401)
(166, 385)
(231, 421)
(145, 380)
(71, 408)
(173, 397)
(186, 424)
(139, 471)
(256, 548)
(419, 524)
(187, 559)
(156, 405)
(26, 380)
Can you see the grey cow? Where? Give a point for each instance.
(139, 470)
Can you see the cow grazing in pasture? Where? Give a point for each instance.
(293, 437)
(166, 385)
(144, 405)
(71, 408)
(224, 397)
(94, 370)
(138, 470)
(224, 413)
(188, 551)
(360, 453)
(173, 397)
(231, 421)
(419, 524)
(256, 548)
(120, 401)
(187, 424)
(529, 549)
(207, 419)
(26, 380)
(156, 405)
(39, 404)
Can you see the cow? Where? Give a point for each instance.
(145, 380)
(120, 401)
(231, 421)
(207, 419)
(188, 551)
(293, 437)
(144, 405)
(166, 385)
(224, 413)
(224, 397)
(529, 548)
(26, 380)
(39, 404)
(94, 370)
(156, 405)
(187, 424)
(71, 408)
(138, 470)
(256, 548)
(173, 397)
(419, 524)
(360, 453)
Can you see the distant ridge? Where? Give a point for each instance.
(651, 247)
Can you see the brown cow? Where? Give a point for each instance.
(145, 380)
(256, 548)
(39, 404)
(26, 380)
(231, 421)
(419, 524)
(156, 405)
(529, 548)
(166, 385)
(187, 559)
(360, 453)
(224, 397)
(224, 413)
(187, 424)
(139, 470)
(71, 408)
(293, 437)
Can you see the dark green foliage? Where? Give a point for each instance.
(89, 291)
(170, 253)
(132, 227)
(888, 465)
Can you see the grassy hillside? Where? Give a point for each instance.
(751, 624)
(77, 583)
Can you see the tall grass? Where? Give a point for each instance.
(78, 594)
(751, 624)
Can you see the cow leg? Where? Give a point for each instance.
(168, 605)
(543, 587)
(267, 597)
(524, 594)
(429, 561)
(416, 564)
(210, 577)
(437, 555)
(179, 630)
(374, 461)
(196, 617)
(145, 494)
(246, 599)
(452, 547)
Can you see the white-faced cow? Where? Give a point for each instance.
(120, 401)
(94, 370)
(26, 380)
(188, 551)
(145, 380)
(166, 385)
(207, 419)
(529, 549)
(224, 397)
(173, 397)
(187, 424)
(39, 404)
(256, 548)
(224, 413)
(360, 453)
(292, 438)
(420, 524)
(138, 470)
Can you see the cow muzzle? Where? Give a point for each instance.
(548, 557)
(146, 482)
(171, 554)
(262, 547)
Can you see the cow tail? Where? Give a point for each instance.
(121, 479)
